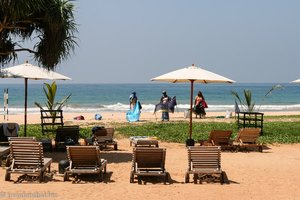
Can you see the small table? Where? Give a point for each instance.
(143, 141)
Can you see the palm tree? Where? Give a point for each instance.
(247, 104)
(50, 22)
(50, 93)
(51, 104)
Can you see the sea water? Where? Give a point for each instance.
(98, 98)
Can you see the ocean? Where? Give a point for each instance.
(98, 98)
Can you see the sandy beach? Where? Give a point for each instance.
(273, 174)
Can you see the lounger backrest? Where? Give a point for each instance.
(104, 134)
(204, 157)
(220, 137)
(82, 156)
(65, 132)
(248, 135)
(27, 154)
(147, 157)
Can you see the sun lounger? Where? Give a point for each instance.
(28, 159)
(8, 130)
(218, 138)
(147, 161)
(204, 162)
(247, 137)
(84, 160)
(10, 139)
(143, 141)
(66, 135)
(103, 137)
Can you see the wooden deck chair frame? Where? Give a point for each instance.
(219, 138)
(147, 161)
(10, 139)
(63, 133)
(27, 158)
(247, 137)
(104, 137)
(85, 160)
(204, 161)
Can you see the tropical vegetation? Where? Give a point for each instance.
(50, 93)
(49, 24)
(247, 103)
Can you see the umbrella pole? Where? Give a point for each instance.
(190, 141)
(191, 111)
(25, 106)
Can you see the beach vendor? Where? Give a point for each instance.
(164, 100)
(134, 112)
(200, 105)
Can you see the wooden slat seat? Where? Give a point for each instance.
(247, 137)
(147, 161)
(219, 138)
(85, 160)
(204, 161)
(27, 158)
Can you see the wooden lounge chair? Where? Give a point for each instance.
(84, 160)
(10, 139)
(8, 130)
(103, 137)
(247, 137)
(66, 135)
(204, 162)
(218, 138)
(28, 159)
(147, 161)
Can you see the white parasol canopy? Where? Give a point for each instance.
(296, 81)
(198, 75)
(29, 71)
(192, 74)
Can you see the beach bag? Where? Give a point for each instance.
(98, 117)
(140, 106)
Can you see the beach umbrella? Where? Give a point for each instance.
(193, 75)
(29, 71)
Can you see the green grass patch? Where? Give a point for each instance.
(273, 132)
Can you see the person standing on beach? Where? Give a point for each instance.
(165, 99)
(133, 114)
(200, 105)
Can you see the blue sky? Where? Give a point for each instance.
(133, 41)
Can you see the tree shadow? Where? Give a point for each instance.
(117, 157)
